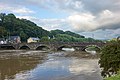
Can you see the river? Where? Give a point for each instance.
(39, 65)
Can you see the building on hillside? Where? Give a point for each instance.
(118, 38)
(3, 41)
(32, 39)
(14, 39)
(115, 39)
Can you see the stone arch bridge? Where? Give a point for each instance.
(52, 45)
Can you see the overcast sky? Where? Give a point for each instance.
(93, 18)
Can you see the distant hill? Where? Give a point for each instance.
(12, 26)
(56, 32)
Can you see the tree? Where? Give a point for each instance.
(3, 32)
(74, 34)
(23, 36)
(2, 18)
(44, 39)
(110, 58)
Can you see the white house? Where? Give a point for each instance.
(32, 39)
(3, 41)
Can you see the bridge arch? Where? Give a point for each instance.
(42, 47)
(90, 47)
(24, 47)
(60, 48)
(7, 47)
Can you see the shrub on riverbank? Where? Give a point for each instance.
(117, 77)
(110, 58)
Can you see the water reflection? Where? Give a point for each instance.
(68, 49)
(60, 68)
(13, 62)
(91, 52)
(83, 66)
(26, 65)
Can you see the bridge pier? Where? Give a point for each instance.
(79, 48)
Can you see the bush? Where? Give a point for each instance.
(110, 58)
(117, 77)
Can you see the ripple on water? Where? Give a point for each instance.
(54, 68)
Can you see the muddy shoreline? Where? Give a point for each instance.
(78, 54)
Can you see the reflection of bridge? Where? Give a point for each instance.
(51, 45)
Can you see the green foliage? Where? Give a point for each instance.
(2, 18)
(56, 32)
(20, 27)
(74, 34)
(110, 58)
(3, 32)
(69, 38)
(117, 77)
(44, 39)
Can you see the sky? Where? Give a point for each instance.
(98, 19)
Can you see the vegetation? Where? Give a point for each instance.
(12, 26)
(69, 38)
(117, 77)
(110, 58)
(56, 32)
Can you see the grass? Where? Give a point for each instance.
(117, 77)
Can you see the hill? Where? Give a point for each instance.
(12, 26)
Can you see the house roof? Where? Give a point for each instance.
(35, 38)
(13, 37)
(2, 39)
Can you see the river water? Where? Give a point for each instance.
(39, 65)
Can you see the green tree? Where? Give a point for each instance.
(44, 39)
(2, 18)
(3, 32)
(23, 36)
(110, 58)
(74, 34)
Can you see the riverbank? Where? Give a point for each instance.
(81, 54)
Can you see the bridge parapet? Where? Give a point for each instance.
(54, 45)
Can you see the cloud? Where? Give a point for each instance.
(15, 9)
(51, 24)
(102, 34)
(89, 22)
(82, 22)
(85, 15)
(92, 6)
(48, 24)
(96, 7)
(23, 10)
(109, 20)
